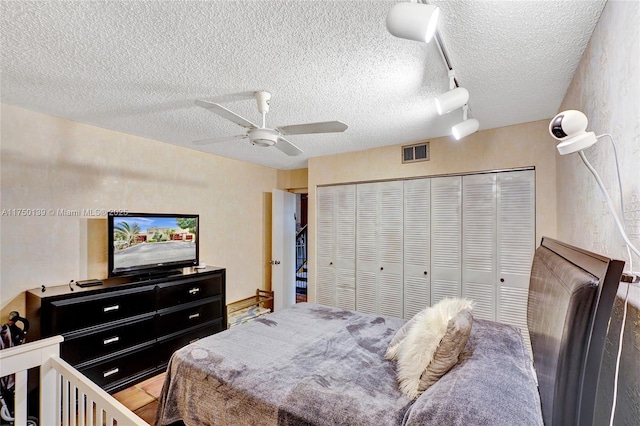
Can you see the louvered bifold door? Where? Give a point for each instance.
(417, 246)
(325, 245)
(379, 286)
(345, 260)
(367, 248)
(390, 243)
(446, 226)
(479, 259)
(516, 245)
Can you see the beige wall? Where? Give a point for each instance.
(293, 180)
(51, 163)
(511, 147)
(606, 87)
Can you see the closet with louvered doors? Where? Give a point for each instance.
(516, 218)
(479, 243)
(379, 248)
(419, 241)
(498, 242)
(417, 246)
(446, 237)
(336, 283)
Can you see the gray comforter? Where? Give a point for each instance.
(316, 365)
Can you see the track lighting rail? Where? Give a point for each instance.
(417, 20)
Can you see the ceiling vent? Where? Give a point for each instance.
(415, 153)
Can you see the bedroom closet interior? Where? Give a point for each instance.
(395, 247)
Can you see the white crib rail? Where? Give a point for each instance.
(67, 397)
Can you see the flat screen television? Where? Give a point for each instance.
(149, 243)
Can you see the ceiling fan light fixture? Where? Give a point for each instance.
(413, 21)
(453, 99)
(263, 137)
(264, 143)
(465, 128)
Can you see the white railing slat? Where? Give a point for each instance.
(65, 401)
(91, 408)
(81, 408)
(73, 405)
(49, 380)
(99, 417)
(20, 391)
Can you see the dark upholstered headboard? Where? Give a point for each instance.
(571, 294)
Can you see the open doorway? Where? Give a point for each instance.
(301, 247)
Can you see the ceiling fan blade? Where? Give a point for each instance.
(232, 97)
(217, 140)
(323, 127)
(225, 113)
(287, 147)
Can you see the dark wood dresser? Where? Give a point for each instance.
(125, 330)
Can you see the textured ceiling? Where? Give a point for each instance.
(138, 66)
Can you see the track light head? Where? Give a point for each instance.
(569, 127)
(453, 99)
(413, 21)
(465, 128)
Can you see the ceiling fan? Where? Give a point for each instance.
(262, 135)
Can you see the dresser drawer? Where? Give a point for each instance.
(189, 317)
(167, 347)
(80, 312)
(185, 291)
(110, 372)
(77, 350)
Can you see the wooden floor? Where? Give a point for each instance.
(142, 398)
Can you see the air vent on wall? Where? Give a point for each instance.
(415, 153)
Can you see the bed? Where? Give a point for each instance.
(317, 365)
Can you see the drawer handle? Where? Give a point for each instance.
(192, 316)
(194, 291)
(110, 372)
(110, 340)
(111, 308)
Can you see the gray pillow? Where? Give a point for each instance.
(448, 352)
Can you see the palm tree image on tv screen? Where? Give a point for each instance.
(153, 240)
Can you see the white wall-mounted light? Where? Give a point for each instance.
(569, 127)
(413, 21)
(465, 127)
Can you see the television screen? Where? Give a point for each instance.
(146, 242)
